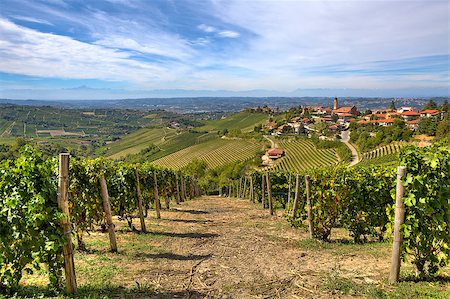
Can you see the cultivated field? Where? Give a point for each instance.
(302, 154)
(214, 152)
(384, 154)
(245, 121)
(137, 141)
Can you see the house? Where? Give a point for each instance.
(274, 153)
(409, 115)
(347, 110)
(404, 109)
(385, 122)
(430, 113)
(413, 124)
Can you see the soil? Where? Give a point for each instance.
(230, 248)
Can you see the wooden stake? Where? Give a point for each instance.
(245, 188)
(263, 191)
(63, 204)
(295, 203)
(108, 216)
(167, 199)
(269, 193)
(183, 189)
(309, 205)
(289, 191)
(140, 205)
(252, 191)
(399, 220)
(157, 202)
(191, 188)
(178, 197)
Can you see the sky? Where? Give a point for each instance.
(99, 49)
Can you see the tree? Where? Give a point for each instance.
(445, 107)
(430, 105)
(392, 106)
(443, 129)
(427, 126)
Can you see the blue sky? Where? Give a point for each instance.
(65, 49)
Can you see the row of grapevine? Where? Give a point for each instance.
(30, 220)
(302, 155)
(215, 153)
(383, 154)
(361, 199)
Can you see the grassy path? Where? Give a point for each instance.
(229, 248)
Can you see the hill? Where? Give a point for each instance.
(139, 140)
(215, 153)
(244, 121)
(301, 154)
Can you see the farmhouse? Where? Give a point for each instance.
(274, 153)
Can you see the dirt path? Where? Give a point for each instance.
(355, 156)
(230, 248)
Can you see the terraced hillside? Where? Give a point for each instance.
(381, 155)
(245, 121)
(137, 141)
(215, 153)
(302, 154)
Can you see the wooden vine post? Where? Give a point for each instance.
(63, 204)
(191, 188)
(183, 189)
(140, 205)
(309, 207)
(295, 203)
(229, 191)
(157, 202)
(399, 220)
(252, 191)
(108, 216)
(263, 191)
(245, 187)
(289, 190)
(269, 193)
(178, 197)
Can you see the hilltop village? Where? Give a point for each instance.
(336, 119)
(328, 123)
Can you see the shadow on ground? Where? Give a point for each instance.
(104, 291)
(173, 256)
(186, 235)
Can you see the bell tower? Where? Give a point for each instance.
(335, 104)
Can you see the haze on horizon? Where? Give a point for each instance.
(63, 49)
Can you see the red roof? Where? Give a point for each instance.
(345, 114)
(275, 151)
(430, 111)
(410, 113)
(413, 122)
(344, 109)
(387, 120)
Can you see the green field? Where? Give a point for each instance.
(302, 154)
(245, 121)
(215, 153)
(137, 141)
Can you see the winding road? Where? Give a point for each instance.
(355, 157)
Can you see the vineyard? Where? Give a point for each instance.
(383, 154)
(302, 154)
(137, 141)
(332, 204)
(244, 121)
(215, 153)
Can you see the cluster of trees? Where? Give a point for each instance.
(370, 136)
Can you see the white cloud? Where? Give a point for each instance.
(33, 20)
(207, 28)
(29, 52)
(228, 33)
